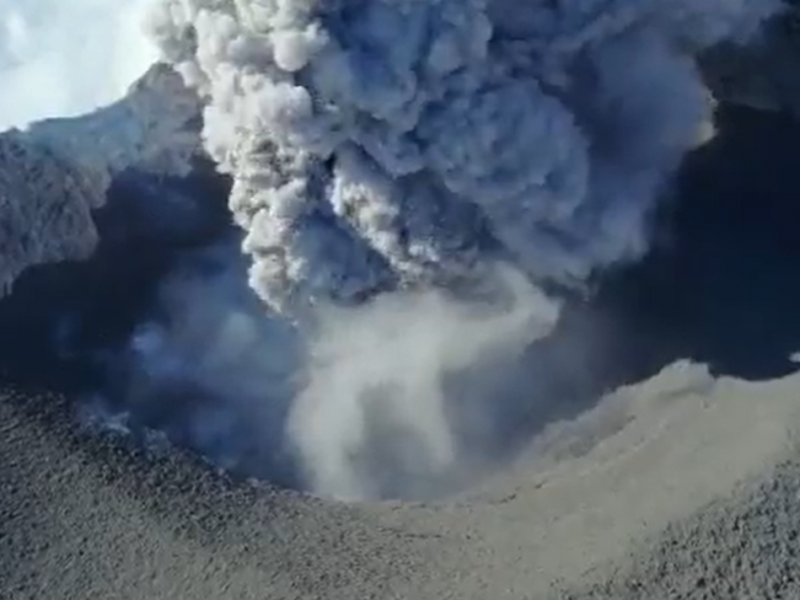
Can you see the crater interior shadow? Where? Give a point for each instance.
(721, 287)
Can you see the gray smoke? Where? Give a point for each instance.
(394, 398)
(555, 122)
(416, 145)
(387, 410)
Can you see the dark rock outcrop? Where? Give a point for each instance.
(56, 173)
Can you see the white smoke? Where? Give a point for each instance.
(379, 144)
(61, 59)
(385, 400)
(383, 413)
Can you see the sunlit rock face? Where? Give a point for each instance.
(45, 204)
(56, 172)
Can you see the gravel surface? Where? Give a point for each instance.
(687, 489)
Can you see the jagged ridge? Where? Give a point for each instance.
(55, 173)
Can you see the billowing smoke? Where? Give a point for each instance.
(395, 389)
(401, 148)
(384, 400)
(369, 140)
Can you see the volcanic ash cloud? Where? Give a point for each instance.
(370, 141)
(415, 145)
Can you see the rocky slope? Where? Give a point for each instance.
(45, 204)
(54, 174)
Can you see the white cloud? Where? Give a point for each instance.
(64, 58)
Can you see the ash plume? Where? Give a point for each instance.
(404, 149)
(367, 137)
